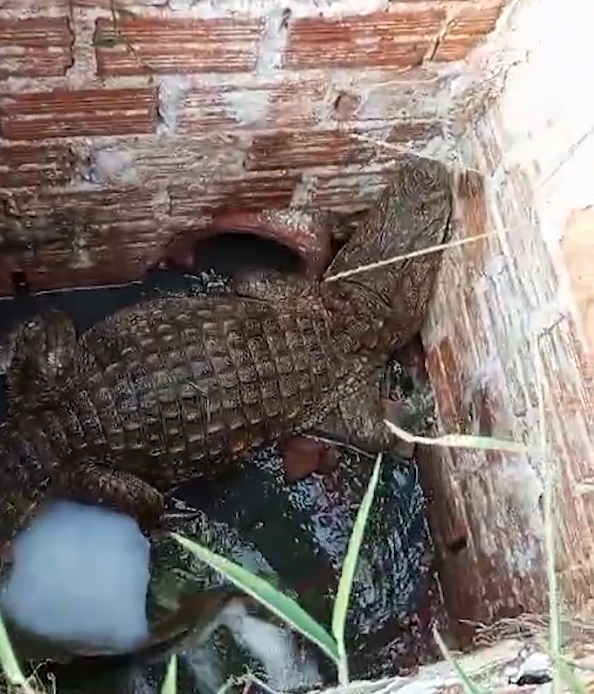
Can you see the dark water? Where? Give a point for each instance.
(296, 534)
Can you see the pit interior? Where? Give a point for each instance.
(121, 132)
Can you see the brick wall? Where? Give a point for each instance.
(124, 122)
(528, 130)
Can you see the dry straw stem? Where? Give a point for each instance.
(407, 256)
(485, 666)
(459, 441)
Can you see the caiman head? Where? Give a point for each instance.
(35, 355)
(385, 270)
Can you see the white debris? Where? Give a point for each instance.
(531, 667)
(80, 576)
(286, 666)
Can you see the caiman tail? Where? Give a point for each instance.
(412, 214)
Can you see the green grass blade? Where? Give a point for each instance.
(341, 604)
(467, 683)
(281, 605)
(485, 443)
(10, 665)
(170, 681)
(575, 684)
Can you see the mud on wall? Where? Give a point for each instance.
(123, 122)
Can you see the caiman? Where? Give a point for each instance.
(183, 387)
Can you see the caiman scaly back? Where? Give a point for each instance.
(184, 387)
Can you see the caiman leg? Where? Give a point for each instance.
(99, 485)
(303, 455)
(359, 421)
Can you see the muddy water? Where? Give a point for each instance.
(294, 534)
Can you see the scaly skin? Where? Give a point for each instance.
(183, 387)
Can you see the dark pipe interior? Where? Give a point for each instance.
(228, 252)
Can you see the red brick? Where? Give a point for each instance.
(396, 40)
(292, 149)
(59, 222)
(357, 190)
(272, 190)
(63, 238)
(261, 104)
(164, 45)
(35, 47)
(462, 330)
(445, 386)
(31, 165)
(452, 415)
(472, 208)
(476, 310)
(71, 113)
(492, 408)
(59, 267)
(84, 207)
(37, 6)
(148, 160)
(469, 27)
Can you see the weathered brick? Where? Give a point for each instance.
(491, 151)
(35, 47)
(165, 45)
(462, 331)
(34, 7)
(472, 209)
(445, 381)
(273, 190)
(59, 266)
(464, 32)
(411, 96)
(348, 189)
(577, 247)
(447, 354)
(72, 113)
(152, 159)
(64, 238)
(80, 209)
(476, 311)
(30, 165)
(294, 149)
(491, 406)
(259, 104)
(395, 39)
(123, 7)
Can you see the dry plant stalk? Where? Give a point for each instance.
(407, 256)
